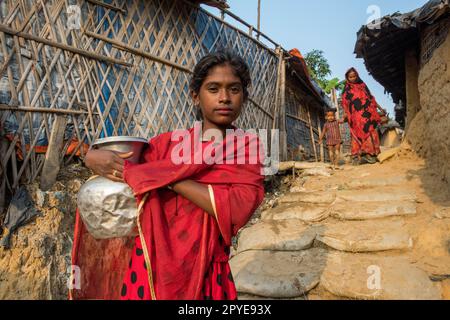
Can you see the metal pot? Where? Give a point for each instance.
(107, 208)
(122, 144)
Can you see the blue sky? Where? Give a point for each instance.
(328, 25)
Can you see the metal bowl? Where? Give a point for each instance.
(122, 144)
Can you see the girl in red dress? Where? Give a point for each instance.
(190, 209)
(361, 111)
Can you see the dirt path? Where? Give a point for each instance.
(369, 232)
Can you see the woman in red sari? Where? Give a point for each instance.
(191, 209)
(361, 113)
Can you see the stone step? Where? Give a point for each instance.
(278, 274)
(376, 194)
(365, 236)
(250, 297)
(317, 172)
(286, 235)
(372, 210)
(368, 276)
(300, 211)
(443, 213)
(284, 166)
(321, 197)
(375, 182)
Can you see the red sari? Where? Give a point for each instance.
(182, 252)
(361, 110)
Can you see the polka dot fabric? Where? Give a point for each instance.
(135, 285)
(218, 285)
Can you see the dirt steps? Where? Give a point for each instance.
(278, 274)
(355, 276)
(344, 232)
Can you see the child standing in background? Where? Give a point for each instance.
(333, 135)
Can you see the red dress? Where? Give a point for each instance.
(182, 252)
(363, 118)
(218, 284)
(333, 134)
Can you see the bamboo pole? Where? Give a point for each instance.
(313, 141)
(260, 108)
(138, 52)
(319, 129)
(26, 100)
(41, 110)
(88, 54)
(259, 19)
(283, 132)
(52, 156)
(107, 5)
(277, 91)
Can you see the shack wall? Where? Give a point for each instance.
(428, 132)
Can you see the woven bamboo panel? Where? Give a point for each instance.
(102, 77)
(298, 127)
(133, 95)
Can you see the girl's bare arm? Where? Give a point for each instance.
(196, 192)
(324, 130)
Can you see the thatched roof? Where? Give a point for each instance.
(383, 46)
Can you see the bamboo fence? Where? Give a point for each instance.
(124, 69)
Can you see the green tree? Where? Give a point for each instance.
(318, 66)
(334, 83)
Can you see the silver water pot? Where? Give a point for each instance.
(107, 208)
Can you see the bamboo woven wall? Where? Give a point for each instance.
(124, 72)
(305, 119)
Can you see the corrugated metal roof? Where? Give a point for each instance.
(383, 45)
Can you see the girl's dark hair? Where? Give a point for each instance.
(355, 71)
(221, 57)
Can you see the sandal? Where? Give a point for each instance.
(370, 159)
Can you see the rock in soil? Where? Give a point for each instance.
(288, 235)
(278, 274)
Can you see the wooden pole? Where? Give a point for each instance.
(106, 5)
(260, 108)
(313, 141)
(88, 54)
(322, 158)
(52, 156)
(283, 131)
(42, 110)
(138, 52)
(3, 173)
(275, 122)
(259, 19)
(335, 102)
